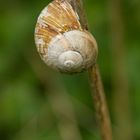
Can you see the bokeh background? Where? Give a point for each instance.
(37, 103)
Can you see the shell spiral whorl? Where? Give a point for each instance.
(70, 60)
(61, 41)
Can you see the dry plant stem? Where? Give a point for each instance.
(96, 85)
(100, 103)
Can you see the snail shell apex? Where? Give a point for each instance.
(61, 41)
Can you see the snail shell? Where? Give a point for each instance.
(61, 41)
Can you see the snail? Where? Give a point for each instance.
(61, 41)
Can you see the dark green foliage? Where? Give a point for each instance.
(26, 84)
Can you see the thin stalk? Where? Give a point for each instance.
(96, 84)
(100, 104)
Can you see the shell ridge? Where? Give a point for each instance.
(71, 14)
(59, 32)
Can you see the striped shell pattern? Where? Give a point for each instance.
(61, 41)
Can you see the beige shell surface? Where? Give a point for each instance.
(57, 18)
(61, 41)
(72, 52)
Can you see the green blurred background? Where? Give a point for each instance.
(37, 103)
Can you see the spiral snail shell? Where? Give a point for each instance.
(61, 41)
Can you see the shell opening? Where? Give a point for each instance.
(70, 60)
